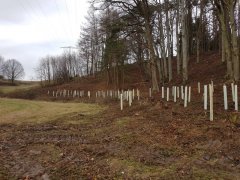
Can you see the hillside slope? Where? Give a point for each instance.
(209, 68)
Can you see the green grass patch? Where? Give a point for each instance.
(208, 174)
(18, 111)
(44, 152)
(22, 87)
(123, 121)
(134, 169)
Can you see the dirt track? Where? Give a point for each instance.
(151, 140)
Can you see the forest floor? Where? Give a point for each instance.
(152, 139)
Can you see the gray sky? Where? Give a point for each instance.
(31, 29)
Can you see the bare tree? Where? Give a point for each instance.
(168, 40)
(43, 70)
(149, 32)
(184, 41)
(225, 12)
(12, 70)
(1, 65)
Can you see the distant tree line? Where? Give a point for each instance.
(59, 69)
(152, 33)
(11, 69)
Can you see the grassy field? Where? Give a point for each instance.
(18, 111)
(9, 89)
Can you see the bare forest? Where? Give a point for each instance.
(159, 36)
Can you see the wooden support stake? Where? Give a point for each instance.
(138, 95)
(175, 94)
(162, 92)
(167, 93)
(225, 97)
(121, 101)
(178, 93)
(211, 101)
(130, 98)
(232, 86)
(236, 97)
(189, 93)
(205, 97)
(212, 86)
(133, 94)
(182, 93)
(199, 88)
(185, 96)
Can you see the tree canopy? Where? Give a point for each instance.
(156, 35)
(12, 70)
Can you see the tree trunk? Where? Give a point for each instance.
(235, 55)
(239, 26)
(178, 43)
(184, 42)
(162, 46)
(159, 65)
(226, 41)
(149, 38)
(199, 31)
(223, 48)
(189, 26)
(168, 44)
(155, 86)
(198, 50)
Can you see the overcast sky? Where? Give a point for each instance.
(31, 29)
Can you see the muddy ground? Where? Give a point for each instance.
(153, 139)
